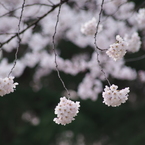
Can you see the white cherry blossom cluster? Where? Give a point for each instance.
(134, 42)
(7, 85)
(117, 50)
(66, 110)
(141, 17)
(89, 28)
(113, 97)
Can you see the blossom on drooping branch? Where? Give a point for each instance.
(113, 97)
(117, 50)
(89, 28)
(37, 57)
(134, 42)
(7, 85)
(66, 110)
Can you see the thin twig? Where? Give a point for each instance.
(33, 23)
(95, 43)
(112, 15)
(28, 5)
(51, 2)
(19, 39)
(97, 27)
(6, 33)
(55, 53)
(4, 6)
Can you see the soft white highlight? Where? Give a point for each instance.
(89, 28)
(134, 42)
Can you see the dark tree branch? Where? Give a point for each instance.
(95, 43)
(55, 53)
(28, 5)
(35, 22)
(19, 39)
(4, 6)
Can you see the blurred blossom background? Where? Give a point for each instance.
(26, 115)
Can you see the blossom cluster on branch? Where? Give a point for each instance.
(113, 97)
(66, 110)
(7, 85)
(115, 26)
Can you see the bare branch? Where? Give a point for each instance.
(34, 23)
(97, 27)
(51, 2)
(95, 43)
(4, 6)
(28, 5)
(55, 53)
(19, 39)
(7, 33)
